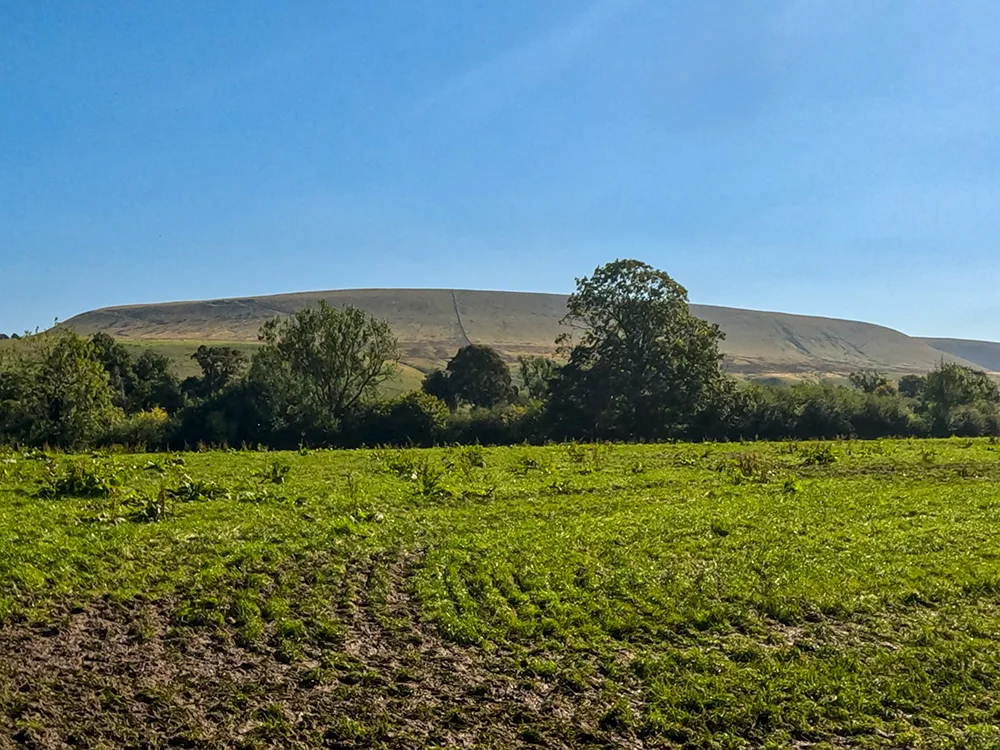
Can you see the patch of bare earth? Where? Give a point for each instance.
(115, 676)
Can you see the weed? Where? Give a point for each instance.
(81, 479)
(192, 490)
(473, 455)
(526, 464)
(400, 463)
(144, 509)
(751, 467)
(818, 454)
(792, 486)
(576, 453)
(275, 472)
(469, 459)
(429, 477)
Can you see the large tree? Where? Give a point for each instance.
(478, 376)
(641, 366)
(872, 381)
(319, 365)
(950, 385)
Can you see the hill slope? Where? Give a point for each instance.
(433, 323)
(985, 354)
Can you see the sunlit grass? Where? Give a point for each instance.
(715, 595)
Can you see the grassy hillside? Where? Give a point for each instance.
(661, 596)
(985, 354)
(433, 323)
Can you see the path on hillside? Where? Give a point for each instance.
(458, 317)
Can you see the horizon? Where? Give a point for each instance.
(832, 160)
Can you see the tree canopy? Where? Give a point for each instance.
(642, 366)
(323, 362)
(479, 376)
(56, 391)
(220, 366)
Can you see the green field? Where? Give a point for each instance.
(725, 596)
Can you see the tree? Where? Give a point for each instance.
(56, 391)
(536, 373)
(220, 366)
(951, 385)
(438, 384)
(644, 367)
(478, 376)
(314, 368)
(872, 381)
(912, 386)
(117, 362)
(155, 384)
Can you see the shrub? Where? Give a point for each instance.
(975, 420)
(502, 425)
(750, 467)
(414, 419)
(81, 479)
(819, 454)
(149, 429)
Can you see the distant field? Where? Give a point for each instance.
(764, 595)
(432, 324)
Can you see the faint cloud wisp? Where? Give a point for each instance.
(487, 88)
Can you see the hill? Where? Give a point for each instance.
(985, 354)
(433, 323)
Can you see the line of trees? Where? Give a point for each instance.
(634, 365)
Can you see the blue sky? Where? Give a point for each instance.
(829, 157)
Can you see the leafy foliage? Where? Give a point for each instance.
(414, 419)
(317, 367)
(221, 366)
(437, 384)
(872, 381)
(56, 391)
(536, 373)
(644, 368)
(478, 376)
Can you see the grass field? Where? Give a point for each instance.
(724, 596)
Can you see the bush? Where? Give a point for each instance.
(886, 416)
(414, 419)
(149, 429)
(975, 420)
(81, 479)
(502, 425)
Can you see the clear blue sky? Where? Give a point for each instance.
(816, 156)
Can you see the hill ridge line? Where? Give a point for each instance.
(433, 323)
